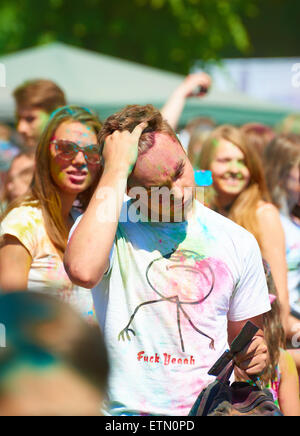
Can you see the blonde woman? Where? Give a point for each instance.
(34, 229)
(239, 192)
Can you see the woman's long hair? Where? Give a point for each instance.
(273, 331)
(280, 156)
(43, 191)
(244, 208)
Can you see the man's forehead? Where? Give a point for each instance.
(165, 149)
(25, 111)
(161, 160)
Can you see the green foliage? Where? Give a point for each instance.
(167, 34)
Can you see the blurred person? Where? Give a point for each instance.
(239, 192)
(202, 127)
(54, 363)
(194, 85)
(34, 229)
(258, 135)
(35, 101)
(282, 168)
(7, 149)
(18, 178)
(7, 152)
(290, 124)
(169, 293)
(5, 132)
(281, 377)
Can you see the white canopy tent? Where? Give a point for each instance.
(107, 84)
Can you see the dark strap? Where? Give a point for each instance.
(239, 343)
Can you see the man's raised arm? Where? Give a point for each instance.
(87, 255)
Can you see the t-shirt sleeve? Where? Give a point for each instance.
(250, 297)
(77, 221)
(21, 223)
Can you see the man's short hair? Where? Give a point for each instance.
(40, 94)
(129, 117)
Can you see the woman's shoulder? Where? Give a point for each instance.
(24, 223)
(23, 215)
(266, 207)
(286, 362)
(268, 214)
(269, 223)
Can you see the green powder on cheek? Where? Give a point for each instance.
(43, 120)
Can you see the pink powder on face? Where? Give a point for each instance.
(159, 163)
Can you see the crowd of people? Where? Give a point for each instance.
(102, 225)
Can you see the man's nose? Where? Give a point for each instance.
(10, 186)
(22, 127)
(177, 191)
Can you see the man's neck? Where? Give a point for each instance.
(30, 152)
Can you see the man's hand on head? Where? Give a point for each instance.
(120, 150)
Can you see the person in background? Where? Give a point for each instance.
(35, 101)
(282, 168)
(34, 229)
(7, 153)
(199, 129)
(194, 85)
(52, 363)
(281, 376)
(18, 178)
(239, 192)
(258, 135)
(290, 124)
(8, 150)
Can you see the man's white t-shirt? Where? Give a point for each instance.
(164, 305)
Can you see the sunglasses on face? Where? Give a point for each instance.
(67, 150)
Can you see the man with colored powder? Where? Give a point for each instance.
(35, 101)
(171, 278)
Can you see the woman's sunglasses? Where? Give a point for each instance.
(67, 150)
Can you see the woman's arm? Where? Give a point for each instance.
(173, 108)
(272, 244)
(15, 263)
(288, 394)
